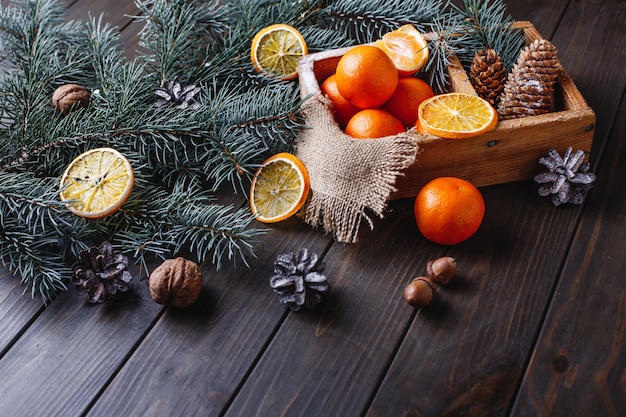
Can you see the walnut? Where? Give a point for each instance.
(68, 95)
(176, 283)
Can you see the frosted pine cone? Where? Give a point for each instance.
(529, 88)
(488, 75)
(567, 178)
(171, 93)
(298, 280)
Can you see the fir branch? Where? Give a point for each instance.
(367, 20)
(488, 26)
(187, 221)
(42, 270)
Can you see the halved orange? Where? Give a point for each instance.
(97, 183)
(407, 48)
(456, 116)
(279, 188)
(275, 51)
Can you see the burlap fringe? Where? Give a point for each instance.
(350, 178)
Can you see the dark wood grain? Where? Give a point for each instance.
(532, 325)
(583, 343)
(70, 352)
(16, 309)
(494, 336)
(329, 363)
(192, 362)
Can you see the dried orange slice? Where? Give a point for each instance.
(275, 51)
(279, 188)
(407, 48)
(97, 183)
(456, 116)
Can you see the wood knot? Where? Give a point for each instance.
(560, 364)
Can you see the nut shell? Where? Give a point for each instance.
(176, 283)
(420, 292)
(442, 269)
(69, 95)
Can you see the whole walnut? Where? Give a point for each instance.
(68, 95)
(176, 283)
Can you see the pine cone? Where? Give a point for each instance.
(530, 85)
(171, 93)
(298, 280)
(567, 178)
(101, 273)
(488, 75)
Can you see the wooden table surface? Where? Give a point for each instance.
(533, 325)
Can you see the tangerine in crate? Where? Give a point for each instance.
(373, 124)
(509, 152)
(366, 76)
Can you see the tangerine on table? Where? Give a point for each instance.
(366, 76)
(343, 110)
(405, 101)
(449, 210)
(407, 48)
(373, 123)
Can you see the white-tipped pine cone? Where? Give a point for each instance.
(529, 88)
(488, 75)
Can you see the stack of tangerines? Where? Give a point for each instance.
(373, 90)
(375, 93)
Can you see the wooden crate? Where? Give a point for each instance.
(508, 153)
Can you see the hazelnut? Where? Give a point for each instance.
(442, 269)
(68, 95)
(420, 292)
(176, 283)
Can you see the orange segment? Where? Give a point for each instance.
(275, 51)
(407, 48)
(97, 183)
(456, 116)
(279, 188)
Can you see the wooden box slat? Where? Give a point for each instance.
(508, 153)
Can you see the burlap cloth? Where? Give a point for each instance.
(351, 179)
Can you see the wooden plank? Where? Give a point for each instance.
(192, 362)
(468, 355)
(327, 363)
(471, 362)
(582, 346)
(16, 309)
(65, 357)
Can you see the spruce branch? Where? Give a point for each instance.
(488, 26)
(367, 20)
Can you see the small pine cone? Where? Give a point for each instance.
(529, 88)
(488, 75)
(101, 273)
(298, 279)
(566, 178)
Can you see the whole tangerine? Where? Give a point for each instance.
(407, 98)
(373, 123)
(366, 76)
(449, 210)
(343, 110)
